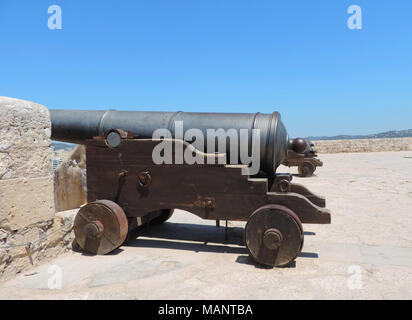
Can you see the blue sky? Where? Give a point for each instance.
(296, 57)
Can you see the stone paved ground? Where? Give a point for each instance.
(365, 253)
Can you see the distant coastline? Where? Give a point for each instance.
(388, 134)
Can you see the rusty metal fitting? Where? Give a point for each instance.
(209, 203)
(144, 179)
(284, 185)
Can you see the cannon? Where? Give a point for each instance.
(307, 162)
(143, 165)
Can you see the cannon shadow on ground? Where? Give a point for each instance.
(198, 238)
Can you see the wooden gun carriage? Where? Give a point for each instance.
(126, 189)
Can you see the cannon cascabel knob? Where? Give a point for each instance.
(299, 145)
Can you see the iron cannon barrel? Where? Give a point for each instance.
(80, 126)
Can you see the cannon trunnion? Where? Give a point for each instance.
(126, 189)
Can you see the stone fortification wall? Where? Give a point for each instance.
(363, 145)
(26, 188)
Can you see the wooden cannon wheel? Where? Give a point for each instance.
(274, 235)
(100, 227)
(306, 169)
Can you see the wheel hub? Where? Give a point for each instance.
(272, 238)
(93, 229)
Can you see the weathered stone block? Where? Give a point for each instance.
(26, 192)
(24, 139)
(24, 202)
(26, 182)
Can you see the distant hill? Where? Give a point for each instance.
(388, 134)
